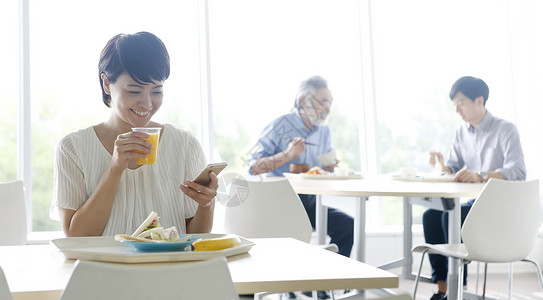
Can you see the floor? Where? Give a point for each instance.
(525, 286)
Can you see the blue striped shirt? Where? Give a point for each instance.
(494, 146)
(279, 133)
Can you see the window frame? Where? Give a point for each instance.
(24, 128)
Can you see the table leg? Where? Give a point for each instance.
(360, 230)
(454, 288)
(321, 220)
(407, 238)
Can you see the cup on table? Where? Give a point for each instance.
(338, 171)
(154, 135)
(299, 168)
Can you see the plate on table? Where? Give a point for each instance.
(163, 246)
(321, 176)
(106, 248)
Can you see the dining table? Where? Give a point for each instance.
(271, 265)
(442, 194)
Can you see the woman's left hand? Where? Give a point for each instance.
(204, 195)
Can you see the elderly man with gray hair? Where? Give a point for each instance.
(299, 138)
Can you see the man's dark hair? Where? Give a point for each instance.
(471, 87)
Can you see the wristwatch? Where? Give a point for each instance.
(484, 175)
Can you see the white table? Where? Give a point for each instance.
(272, 265)
(411, 191)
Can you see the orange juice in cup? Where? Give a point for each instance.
(154, 135)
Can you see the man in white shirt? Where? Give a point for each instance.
(484, 147)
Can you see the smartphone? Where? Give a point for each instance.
(203, 178)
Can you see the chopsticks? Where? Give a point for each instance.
(309, 144)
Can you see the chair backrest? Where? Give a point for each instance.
(13, 213)
(269, 208)
(5, 293)
(207, 279)
(503, 223)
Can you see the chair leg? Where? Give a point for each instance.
(460, 280)
(484, 280)
(510, 280)
(538, 271)
(477, 278)
(332, 297)
(418, 274)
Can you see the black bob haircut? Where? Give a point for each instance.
(142, 55)
(471, 87)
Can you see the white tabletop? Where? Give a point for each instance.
(385, 186)
(274, 265)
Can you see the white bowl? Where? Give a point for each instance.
(408, 172)
(328, 158)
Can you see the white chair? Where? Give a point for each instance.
(267, 209)
(501, 227)
(5, 293)
(207, 279)
(13, 213)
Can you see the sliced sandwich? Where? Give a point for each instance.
(149, 223)
(151, 231)
(160, 234)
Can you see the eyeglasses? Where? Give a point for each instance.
(324, 102)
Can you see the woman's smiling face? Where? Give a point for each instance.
(134, 103)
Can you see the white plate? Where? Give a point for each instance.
(164, 246)
(319, 176)
(108, 249)
(425, 178)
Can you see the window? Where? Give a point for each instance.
(9, 77)
(259, 51)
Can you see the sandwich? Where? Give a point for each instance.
(160, 234)
(151, 231)
(149, 223)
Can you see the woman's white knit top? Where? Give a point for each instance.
(81, 159)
